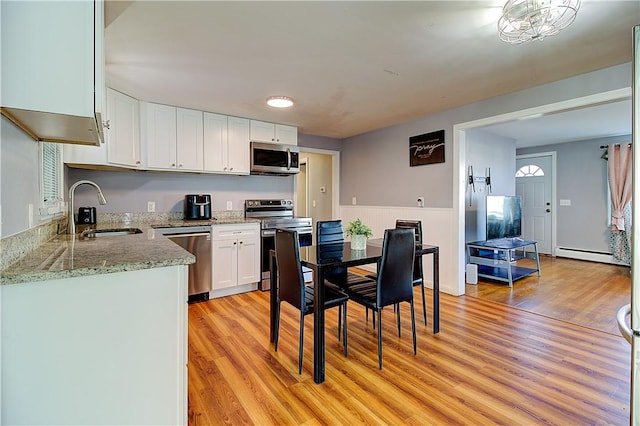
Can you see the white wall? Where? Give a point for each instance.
(485, 150)
(19, 179)
(437, 227)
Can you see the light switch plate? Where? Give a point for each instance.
(229, 205)
(151, 206)
(565, 202)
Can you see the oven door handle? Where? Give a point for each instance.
(269, 233)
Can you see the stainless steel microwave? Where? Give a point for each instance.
(274, 159)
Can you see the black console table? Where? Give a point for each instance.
(496, 259)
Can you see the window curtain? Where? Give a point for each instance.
(619, 168)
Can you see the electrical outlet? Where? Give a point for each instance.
(420, 201)
(229, 205)
(151, 206)
(353, 200)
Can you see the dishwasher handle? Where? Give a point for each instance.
(197, 234)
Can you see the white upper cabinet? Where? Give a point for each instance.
(172, 137)
(226, 144)
(52, 63)
(158, 133)
(273, 133)
(122, 135)
(189, 148)
(123, 129)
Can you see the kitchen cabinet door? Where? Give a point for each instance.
(224, 262)
(287, 135)
(238, 145)
(189, 140)
(215, 142)
(158, 132)
(263, 132)
(123, 129)
(248, 260)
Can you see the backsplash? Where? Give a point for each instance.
(14, 247)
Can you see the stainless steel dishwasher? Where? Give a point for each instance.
(197, 241)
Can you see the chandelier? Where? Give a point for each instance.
(524, 20)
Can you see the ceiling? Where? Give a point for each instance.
(352, 67)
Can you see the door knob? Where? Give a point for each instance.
(548, 210)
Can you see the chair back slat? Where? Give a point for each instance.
(329, 231)
(417, 226)
(330, 239)
(395, 273)
(290, 277)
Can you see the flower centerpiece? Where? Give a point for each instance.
(359, 232)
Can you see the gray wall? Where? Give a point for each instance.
(485, 150)
(582, 178)
(130, 191)
(375, 166)
(19, 179)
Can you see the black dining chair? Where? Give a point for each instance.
(418, 274)
(330, 243)
(394, 282)
(293, 290)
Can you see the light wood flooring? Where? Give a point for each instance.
(580, 292)
(490, 364)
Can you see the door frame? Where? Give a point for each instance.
(459, 162)
(335, 177)
(554, 201)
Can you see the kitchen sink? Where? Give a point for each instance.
(114, 232)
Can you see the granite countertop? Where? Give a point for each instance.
(67, 256)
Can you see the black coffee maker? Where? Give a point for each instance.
(197, 206)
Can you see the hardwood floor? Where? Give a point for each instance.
(580, 292)
(490, 364)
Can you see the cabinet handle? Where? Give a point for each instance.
(138, 162)
(179, 165)
(230, 168)
(173, 164)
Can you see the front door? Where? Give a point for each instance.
(534, 178)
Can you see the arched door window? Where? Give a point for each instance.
(529, 170)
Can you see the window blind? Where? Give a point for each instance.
(51, 192)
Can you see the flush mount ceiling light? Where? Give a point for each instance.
(524, 20)
(279, 101)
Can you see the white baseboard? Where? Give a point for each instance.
(585, 255)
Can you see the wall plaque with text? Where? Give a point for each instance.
(426, 149)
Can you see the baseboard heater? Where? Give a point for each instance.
(592, 256)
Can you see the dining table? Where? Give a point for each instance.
(311, 257)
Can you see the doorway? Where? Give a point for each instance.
(302, 193)
(459, 161)
(317, 186)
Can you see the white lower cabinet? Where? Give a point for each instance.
(101, 349)
(235, 258)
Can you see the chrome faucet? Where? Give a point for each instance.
(101, 200)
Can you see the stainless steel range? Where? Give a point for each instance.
(276, 214)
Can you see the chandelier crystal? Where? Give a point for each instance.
(524, 20)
